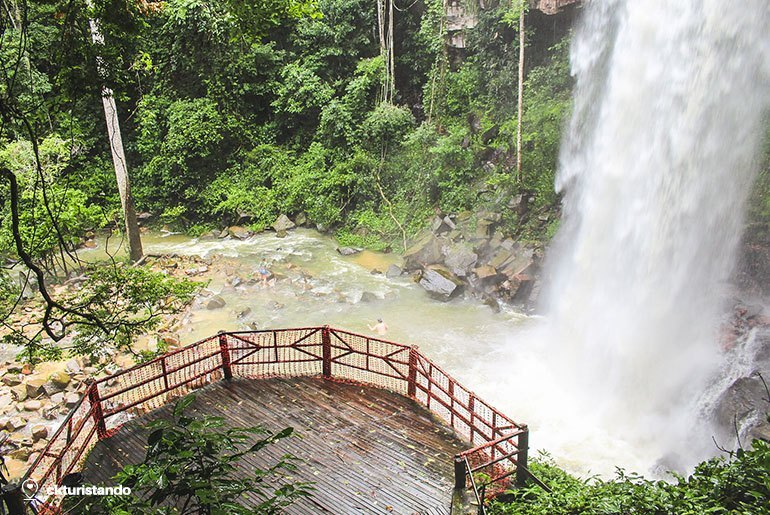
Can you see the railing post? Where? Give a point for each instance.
(224, 349)
(521, 458)
(459, 472)
(411, 386)
(96, 410)
(13, 498)
(326, 341)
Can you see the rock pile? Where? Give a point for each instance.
(31, 403)
(470, 252)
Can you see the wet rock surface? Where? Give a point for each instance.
(476, 255)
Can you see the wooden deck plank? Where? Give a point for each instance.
(367, 450)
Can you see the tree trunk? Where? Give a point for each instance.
(119, 159)
(391, 56)
(520, 107)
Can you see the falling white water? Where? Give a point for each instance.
(670, 104)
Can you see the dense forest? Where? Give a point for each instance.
(234, 115)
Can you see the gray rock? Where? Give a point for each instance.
(216, 302)
(460, 259)
(425, 251)
(11, 379)
(393, 271)
(19, 392)
(21, 454)
(484, 228)
(39, 432)
(300, 219)
(50, 388)
(740, 401)
(501, 258)
(348, 251)
(761, 432)
(35, 386)
(57, 398)
(71, 399)
(281, 234)
(439, 283)
(449, 223)
(32, 405)
(15, 423)
(368, 296)
(238, 232)
(73, 367)
(485, 272)
(283, 224)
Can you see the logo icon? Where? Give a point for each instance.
(30, 488)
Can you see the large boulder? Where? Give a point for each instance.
(238, 232)
(440, 283)
(19, 392)
(423, 252)
(11, 379)
(740, 401)
(283, 223)
(35, 386)
(60, 379)
(39, 432)
(393, 271)
(216, 302)
(32, 405)
(15, 423)
(460, 258)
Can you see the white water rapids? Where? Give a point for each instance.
(670, 108)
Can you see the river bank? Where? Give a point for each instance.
(310, 283)
(313, 281)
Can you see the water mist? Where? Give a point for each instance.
(669, 112)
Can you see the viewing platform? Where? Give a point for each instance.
(380, 428)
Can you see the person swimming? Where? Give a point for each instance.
(380, 327)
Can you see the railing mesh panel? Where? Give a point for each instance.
(358, 358)
(285, 353)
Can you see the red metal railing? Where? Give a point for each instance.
(110, 402)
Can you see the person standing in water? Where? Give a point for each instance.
(264, 272)
(380, 327)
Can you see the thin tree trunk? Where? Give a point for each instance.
(119, 159)
(383, 47)
(391, 57)
(520, 107)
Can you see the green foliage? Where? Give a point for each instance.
(738, 484)
(141, 296)
(191, 467)
(52, 210)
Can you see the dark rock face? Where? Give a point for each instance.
(740, 401)
(440, 283)
(425, 251)
(470, 250)
(460, 258)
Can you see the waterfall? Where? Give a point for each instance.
(670, 110)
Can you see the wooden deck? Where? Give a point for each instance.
(367, 450)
